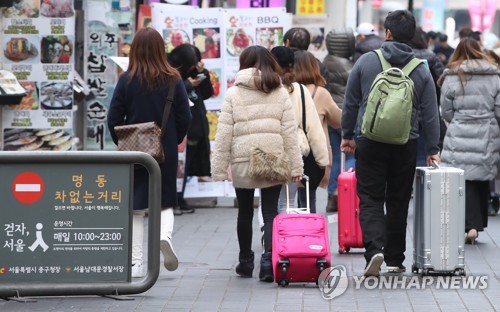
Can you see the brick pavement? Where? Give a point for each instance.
(205, 281)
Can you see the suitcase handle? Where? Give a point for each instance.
(436, 165)
(342, 162)
(303, 210)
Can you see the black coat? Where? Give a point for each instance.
(198, 146)
(131, 103)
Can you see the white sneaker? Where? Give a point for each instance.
(137, 270)
(373, 267)
(170, 260)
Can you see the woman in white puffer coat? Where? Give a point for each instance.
(470, 102)
(256, 111)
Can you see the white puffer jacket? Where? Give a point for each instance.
(251, 117)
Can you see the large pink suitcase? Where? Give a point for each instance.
(350, 235)
(301, 249)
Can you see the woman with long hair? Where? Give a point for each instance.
(470, 102)
(187, 59)
(314, 140)
(307, 72)
(257, 111)
(140, 96)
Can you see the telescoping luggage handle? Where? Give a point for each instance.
(303, 210)
(342, 162)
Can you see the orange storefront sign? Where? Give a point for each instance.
(308, 7)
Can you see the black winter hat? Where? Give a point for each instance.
(341, 42)
(284, 56)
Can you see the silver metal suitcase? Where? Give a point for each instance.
(439, 221)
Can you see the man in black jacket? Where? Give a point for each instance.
(385, 171)
(366, 40)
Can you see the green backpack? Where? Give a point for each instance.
(387, 118)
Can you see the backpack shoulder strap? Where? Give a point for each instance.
(385, 64)
(411, 65)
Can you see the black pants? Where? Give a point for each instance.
(477, 196)
(269, 198)
(385, 174)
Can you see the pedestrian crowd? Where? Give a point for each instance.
(289, 114)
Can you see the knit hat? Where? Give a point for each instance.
(341, 42)
(284, 56)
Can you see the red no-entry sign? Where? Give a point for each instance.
(28, 187)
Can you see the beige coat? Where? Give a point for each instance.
(251, 117)
(329, 115)
(315, 139)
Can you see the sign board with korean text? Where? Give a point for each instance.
(65, 222)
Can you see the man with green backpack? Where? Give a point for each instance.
(386, 91)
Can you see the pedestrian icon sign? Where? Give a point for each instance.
(28, 187)
(39, 239)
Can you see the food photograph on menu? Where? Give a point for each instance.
(207, 40)
(56, 50)
(237, 41)
(174, 38)
(56, 8)
(23, 139)
(56, 95)
(21, 48)
(23, 9)
(215, 74)
(269, 37)
(30, 100)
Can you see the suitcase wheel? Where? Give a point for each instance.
(321, 264)
(283, 264)
(343, 250)
(414, 269)
(283, 282)
(460, 272)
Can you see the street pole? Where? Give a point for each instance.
(410, 6)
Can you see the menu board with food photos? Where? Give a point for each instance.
(220, 35)
(201, 28)
(247, 27)
(38, 42)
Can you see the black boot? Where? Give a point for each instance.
(266, 268)
(245, 267)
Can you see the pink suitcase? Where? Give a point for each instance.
(350, 235)
(301, 249)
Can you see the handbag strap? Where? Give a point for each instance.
(168, 106)
(304, 128)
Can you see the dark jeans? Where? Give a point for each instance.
(477, 197)
(269, 198)
(385, 174)
(301, 195)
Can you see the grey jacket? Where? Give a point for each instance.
(472, 141)
(424, 96)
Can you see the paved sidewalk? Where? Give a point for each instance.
(205, 281)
